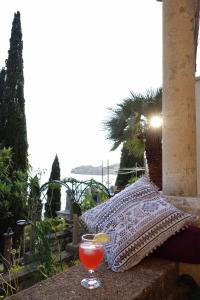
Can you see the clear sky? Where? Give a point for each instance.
(81, 57)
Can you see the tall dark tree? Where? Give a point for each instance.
(127, 160)
(2, 106)
(34, 209)
(53, 193)
(15, 134)
(34, 200)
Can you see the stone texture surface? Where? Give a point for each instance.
(187, 204)
(179, 124)
(152, 279)
(193, 270)
(197, 96)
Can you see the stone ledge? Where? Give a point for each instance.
(187, 204)
(191, 269)
(152, 279)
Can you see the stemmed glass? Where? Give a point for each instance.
(91, 255)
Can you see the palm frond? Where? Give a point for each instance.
(115, 145)
(153, 102)
(136, 147)
(126, 122)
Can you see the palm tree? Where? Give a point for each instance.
(127, 160)
(130, 124)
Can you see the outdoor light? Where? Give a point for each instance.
(156, 122)
(22, 222)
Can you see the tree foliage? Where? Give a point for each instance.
(128, 121)
(13, 193)
(54, 192)
(48, 262)
(34, 200)
(127, 160)
(129, 124)
(13, 115)
(2, 106)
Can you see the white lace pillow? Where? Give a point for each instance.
(138, 219)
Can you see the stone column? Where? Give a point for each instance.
(198, 132)
(179, 129)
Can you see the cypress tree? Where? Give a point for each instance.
(2, 107)
(53, 193)
(34, 200)
(34, 209)
(15, 135)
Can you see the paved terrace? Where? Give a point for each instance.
(152, 279)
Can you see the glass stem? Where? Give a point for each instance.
(91, 273)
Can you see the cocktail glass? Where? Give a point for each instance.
(91, 255)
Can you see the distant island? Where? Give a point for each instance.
(91, 170)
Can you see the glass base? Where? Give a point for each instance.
(91, 283)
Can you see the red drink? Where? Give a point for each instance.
(91, 255)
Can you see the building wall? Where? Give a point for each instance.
(198, 132)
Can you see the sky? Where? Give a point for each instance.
(81, 57)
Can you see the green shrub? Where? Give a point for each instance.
(13, 193)
(49, 264)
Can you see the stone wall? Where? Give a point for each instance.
(152, 279)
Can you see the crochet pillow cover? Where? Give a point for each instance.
(138, 220)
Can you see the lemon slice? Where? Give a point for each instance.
(101, 237)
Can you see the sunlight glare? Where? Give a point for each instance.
(156, 122)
